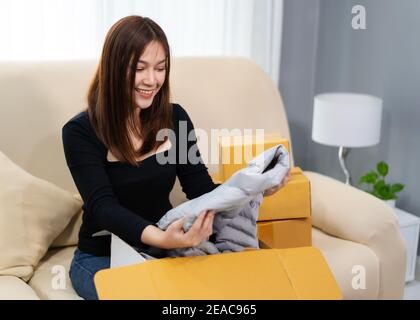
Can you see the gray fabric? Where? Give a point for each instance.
(232, 234)
(236, 203)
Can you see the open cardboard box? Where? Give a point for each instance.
(298, 273)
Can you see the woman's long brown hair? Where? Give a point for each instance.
(111, 107)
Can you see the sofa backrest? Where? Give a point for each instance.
(38, 98)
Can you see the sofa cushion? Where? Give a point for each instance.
(51, 277)
(13, 288)
(70, 235)
(350, 262)
(33, 212)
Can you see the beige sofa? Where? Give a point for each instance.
(358, 234)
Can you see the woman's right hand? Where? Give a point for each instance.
(202, 228)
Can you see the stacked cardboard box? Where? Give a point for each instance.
(285, 218)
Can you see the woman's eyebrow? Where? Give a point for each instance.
(146, 63)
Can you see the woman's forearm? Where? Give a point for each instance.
(153, 236)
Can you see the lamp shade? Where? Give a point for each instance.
(347, 119)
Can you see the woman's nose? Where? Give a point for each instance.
(150, 78)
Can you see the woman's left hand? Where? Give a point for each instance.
(274, 189)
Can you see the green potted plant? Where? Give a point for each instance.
(376, 185)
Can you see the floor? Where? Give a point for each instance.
(412, 288)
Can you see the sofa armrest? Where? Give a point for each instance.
(13, 288)
(352, 214)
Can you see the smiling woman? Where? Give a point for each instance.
(110, 150)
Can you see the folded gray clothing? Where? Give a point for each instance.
(240, 232)
(232, 234)
(236, 203)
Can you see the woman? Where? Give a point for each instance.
(111, 149)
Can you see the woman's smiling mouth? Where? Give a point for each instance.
(146, 94)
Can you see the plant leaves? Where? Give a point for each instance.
(379, 188)
(384, 192)
(377, 195)
(370, 178)
(378, 185)
(382, 168)
(397, 187)
(363, 179)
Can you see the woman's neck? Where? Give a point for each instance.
(137, 123)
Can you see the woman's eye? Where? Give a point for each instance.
(160, 70)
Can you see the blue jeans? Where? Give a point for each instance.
(83, 268)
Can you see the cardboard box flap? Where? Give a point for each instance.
(309, 281)
(251, 274)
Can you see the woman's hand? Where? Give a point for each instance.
(274, 189)
(202, 228)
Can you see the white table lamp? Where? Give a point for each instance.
(346, 120)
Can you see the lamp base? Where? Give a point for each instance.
(342, 155)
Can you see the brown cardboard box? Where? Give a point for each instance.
(284, 219)
(299, 273)
(286, 233)
(290, 202)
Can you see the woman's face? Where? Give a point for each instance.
(150, 74)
